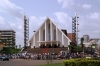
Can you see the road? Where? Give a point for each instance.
(20, 62)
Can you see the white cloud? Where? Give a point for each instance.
(2, 20)
(5, 25)
(89, 24)
(64, 21)
(72, 4)
(61, 16)
(66, 3)
(7, 7)
(95, 15)
(35, 23)
(87, 6)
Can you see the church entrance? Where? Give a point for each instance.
(42, 46)
(48, 46)
(54, 45)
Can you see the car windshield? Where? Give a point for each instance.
(4, 56)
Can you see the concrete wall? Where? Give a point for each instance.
(65, 42)
(37, 39)
(47, 33)
(60, 38)
(42, 28)
(53, 27)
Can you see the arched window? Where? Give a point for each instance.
(44, 35)
(54, 34)
(49, 31)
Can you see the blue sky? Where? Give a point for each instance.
(59, 11)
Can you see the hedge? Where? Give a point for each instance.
(81, 62)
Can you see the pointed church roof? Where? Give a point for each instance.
(54, 24)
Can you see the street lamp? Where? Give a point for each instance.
(34, 33)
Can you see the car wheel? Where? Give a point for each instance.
(1, 59)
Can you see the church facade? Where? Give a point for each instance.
(49, 36)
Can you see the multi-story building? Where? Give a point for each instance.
(7, 37)
(86, 38)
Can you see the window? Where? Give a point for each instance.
(44, 35)
(54, 34)
(49, 31)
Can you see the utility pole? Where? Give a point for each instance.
(76, 16)
(26, 32)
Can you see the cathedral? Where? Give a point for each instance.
(49, 36)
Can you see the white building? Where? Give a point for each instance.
(49, 35)
(86, 38)
(92, 41)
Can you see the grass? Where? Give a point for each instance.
(55, 64)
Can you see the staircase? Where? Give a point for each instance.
(46, 50)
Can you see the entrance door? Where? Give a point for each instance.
(54, 46)
(42, 45)
(48, 45)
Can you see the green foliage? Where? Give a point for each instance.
(81, 62)
(9, 50)
(82, 39)
(75, 48)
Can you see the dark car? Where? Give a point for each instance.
(60, 57)
(4, 58)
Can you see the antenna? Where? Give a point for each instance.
(75, 29)
(26, 31)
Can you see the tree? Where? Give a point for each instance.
(10, 50)
(82, 39)
(16, 46)
(19, 46)
(72, 47)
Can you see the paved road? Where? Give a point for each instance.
(20, 62)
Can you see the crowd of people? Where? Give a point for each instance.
(44, 56)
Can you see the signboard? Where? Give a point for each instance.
(93, 46)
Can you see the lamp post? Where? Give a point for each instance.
(76, 15)
(34, 33)
(93, 46)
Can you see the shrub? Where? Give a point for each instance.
(81, 62)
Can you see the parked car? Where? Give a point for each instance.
(60, 57)
(4, 58)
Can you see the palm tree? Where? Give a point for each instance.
(82, 39)
(19, 46)
(16, 46)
